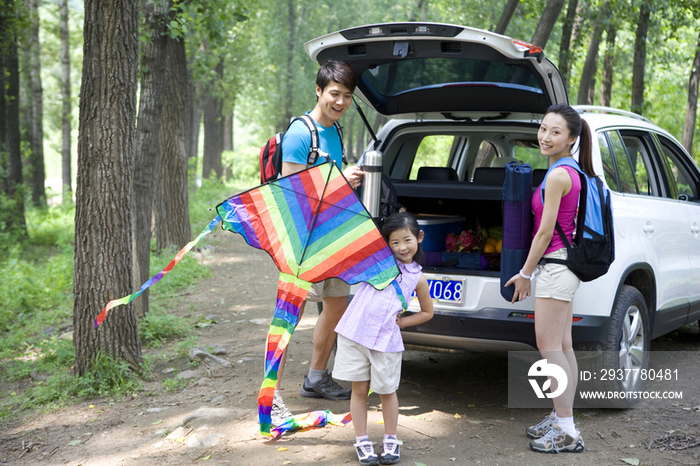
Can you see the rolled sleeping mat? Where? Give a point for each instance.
(517, 223)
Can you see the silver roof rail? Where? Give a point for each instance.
(610, 110)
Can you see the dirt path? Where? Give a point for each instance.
(453, 406)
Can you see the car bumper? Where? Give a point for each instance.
(497, 330)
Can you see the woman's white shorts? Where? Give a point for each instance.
(556, 280)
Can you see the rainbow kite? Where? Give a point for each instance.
(314, 227)
(312, 419)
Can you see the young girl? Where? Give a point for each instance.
(369, 339)
(556, 284)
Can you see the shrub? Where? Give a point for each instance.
(157, 326)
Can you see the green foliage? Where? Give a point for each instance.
(432, 152)
(157, 327)
(185, 273)
(245, 165)
(203, 200)
(51, 226)
(11, 231)
(183, 347)
(33, 297)
(51, 83)
(105, 378)
(175, 384)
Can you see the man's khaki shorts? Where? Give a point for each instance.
(331, 288)
(556, 281)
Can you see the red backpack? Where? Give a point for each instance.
(271, 152)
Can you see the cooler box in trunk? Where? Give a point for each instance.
(436, 228)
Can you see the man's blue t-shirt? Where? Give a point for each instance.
(297, 142)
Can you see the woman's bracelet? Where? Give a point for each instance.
(526, 277)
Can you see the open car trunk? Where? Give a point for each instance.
(481, 206)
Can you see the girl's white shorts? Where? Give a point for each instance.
(356, 363)
(556, 280)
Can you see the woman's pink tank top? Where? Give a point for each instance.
(567, 211)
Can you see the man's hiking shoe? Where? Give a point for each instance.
(280, 413)
(391, 451)
(325, 388)
(365, 453)
(539, 430)
(558, 441)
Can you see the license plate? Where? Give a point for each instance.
(445, 290)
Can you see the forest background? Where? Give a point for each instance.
(200, 86)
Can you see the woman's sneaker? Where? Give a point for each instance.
(539, 430)
(558, 441)
(280, 413)
(391, 451)
(366, 454)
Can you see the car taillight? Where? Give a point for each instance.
(526, 47)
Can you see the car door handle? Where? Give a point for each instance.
(649, 228)
(695, 228)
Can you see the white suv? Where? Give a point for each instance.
(464, 102)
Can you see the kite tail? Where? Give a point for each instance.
(156, 278)
(291, 293)
(312, 419)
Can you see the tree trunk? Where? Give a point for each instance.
(4, 47)
(196, 97)
(213, 131)
(586, 90)
(13, 214)
(508, 11)
(606, 86)
(640, 56)
(228, 129)
(67, 189)
(26, 108)
(195, 123)
(103, 213)
(155, 17)
(565, 45)
(37, 158)
(692, 108)
(171, 206)
(289, 75)
(547, 22)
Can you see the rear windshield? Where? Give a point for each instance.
(406, 75)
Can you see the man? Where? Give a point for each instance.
(335, 84)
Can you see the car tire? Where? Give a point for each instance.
(626, 351)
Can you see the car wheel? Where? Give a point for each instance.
(626, 354)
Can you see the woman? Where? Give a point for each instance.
(556, 284)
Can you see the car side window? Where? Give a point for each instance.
(641, 163)
(624, 170)
(608, 164)
(678, 173)
(433, 151)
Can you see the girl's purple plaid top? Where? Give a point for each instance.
(370, 319)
